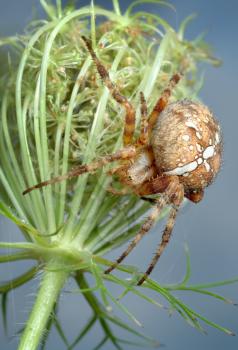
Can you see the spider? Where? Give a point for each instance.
(177, 155)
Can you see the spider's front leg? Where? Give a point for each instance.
(148, 122)
(163, 100)
(123, 154)
(144, 134)
(129, 127)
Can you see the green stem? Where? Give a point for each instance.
(48, 293)
(14, 257)
(116, 7)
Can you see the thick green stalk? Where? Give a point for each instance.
(48, 294)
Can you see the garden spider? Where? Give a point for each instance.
(177, 155)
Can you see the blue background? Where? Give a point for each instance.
(209, 228)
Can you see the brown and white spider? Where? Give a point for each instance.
(177, 155)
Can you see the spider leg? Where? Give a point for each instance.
(163, 100)
(152, 186)
(114, 170)
(125, 153)
(150, 200)
(156, 185)
(144, 229)
(144, 134)
(177, 200)
(121, 192)
(174, 194)
(164, 241)
(129, 127)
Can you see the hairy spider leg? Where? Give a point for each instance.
(144, 136)
(164, 241)
(174, 194)
(121, 192)
(129, 127)
(144, 229)
(123, 154)
(163, 100)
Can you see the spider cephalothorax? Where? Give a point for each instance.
(177, 155)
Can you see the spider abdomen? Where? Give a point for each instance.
(186, 142)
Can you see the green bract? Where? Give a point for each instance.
(56, 113)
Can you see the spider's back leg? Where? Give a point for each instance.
(144, 229)
(167, 188)
(129, 127)
(176, 199)
(164, 241)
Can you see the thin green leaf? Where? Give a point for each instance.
(214, 284)
(213, 324)
(124, 309)
(84, 331)
(205, 292)
(188, 266)
(20, 223)
(176, 304)
(19, 281)
(4, 310)
(14, 257)
(130, 287)
(139, 345)
(102, 288)
(60, 331)
(117, 321)
(194, 316)
(18, 245)
(109, 333)
(101, 343)
(158, 2)
(187, 273)
(49, 9)
(93, 25)
(116, 7)
(184, 25)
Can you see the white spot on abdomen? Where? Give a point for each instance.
(191, 124)
(200, 161)
(199, 147)
(199, 136)
(217, 136)
(187, 168)
(207, 165)
(209, 152)
(186, 137)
